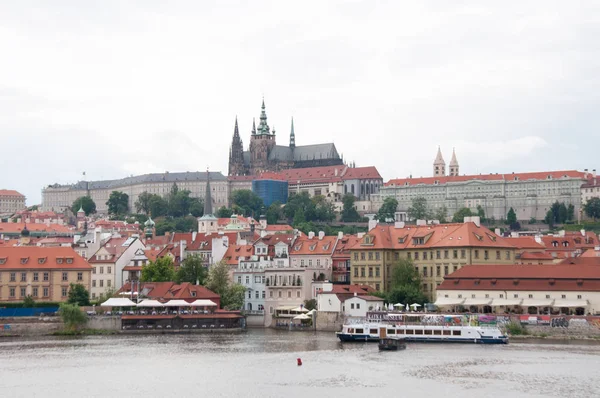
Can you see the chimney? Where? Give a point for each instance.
(355, 294)
(182, 245)
(594, 173)
(585, 173)
(476, 220)
(311, 234)
(263, 233)
(194, 234)
(538, 239)
(372, 224)
(421, 222)
(335, 172)
(399, 224)
(340, 235)
(321, 235)
(497, 232)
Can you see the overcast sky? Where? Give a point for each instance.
(116, 88)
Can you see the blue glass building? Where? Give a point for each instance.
(271, 191)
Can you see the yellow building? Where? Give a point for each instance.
(435, 250)
(44, 273)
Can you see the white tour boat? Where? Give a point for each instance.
(422, 328)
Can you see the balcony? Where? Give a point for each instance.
(253, 312)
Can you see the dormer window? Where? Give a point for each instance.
(69, 260)
(554, 243)
(60, 260)
(418, 241)
(2, 260)
(41, 260)
(24, 260)
(565, 243)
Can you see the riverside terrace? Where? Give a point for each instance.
(175, 316)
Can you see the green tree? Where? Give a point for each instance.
(224, 212)
(481, 213)
(549, 219)
(460, 215)
(196, 207)
(592, 208)
(179, 202)
(562, 213)
(299, 217)
(310, 304)
(86, 203)
(192, 270)
(274, 213)
(118, 203)
(233, 299)
(142, 204)
(29, 302)
(108, 293)
(441, 214)
(324, 210)
(161, 270)
(571, 213)
(511, 216)
(349, 213)
(418, 209)
(248, 201)
(186, 224)
(387, 211)
(164, 225)
(78, 295)
(158, 206)
(218, 278)
(300, 201)
(72, 316)
(405, 285)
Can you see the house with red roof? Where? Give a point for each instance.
(533, 289)
(165, 291)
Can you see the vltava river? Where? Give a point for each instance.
(262, 363)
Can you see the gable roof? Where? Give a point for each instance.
(10, 192)
(303, 245)
(35, 257)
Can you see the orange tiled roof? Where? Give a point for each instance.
(487, 177)
(342, 248)
(278, 228)
(525, 242)
(536, 256)
(234, 252)
(17, 227)
(35, 257)
(171, 290)
(10, 192)
(315, 246)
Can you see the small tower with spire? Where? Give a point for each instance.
(453, 165)
(292, 136)
(80, 218)
(149, 230)
(236, 153)
(208, 223)
(439, 165)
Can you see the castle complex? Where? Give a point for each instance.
(265, 155)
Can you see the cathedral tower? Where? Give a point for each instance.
(439, 166)
(236, 153)
(453, 165)
(262, 142)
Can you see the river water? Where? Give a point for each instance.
(262, 363)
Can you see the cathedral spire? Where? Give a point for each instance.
(439, 165)
(253, 126)
(292, 136)
(454, 164)
(236, 131)
(263, 127)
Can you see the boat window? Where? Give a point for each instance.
(400, 331)
(410, 331)
(359, 331)
(350, 330)
(372, 331)
(437, 332)
(427, 331)
(419, 331)
(456, 333)
(447, 333)
(391, 331)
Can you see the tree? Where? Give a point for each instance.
(571, 213)
(86, 203)
(161, 270)
(324, 210)
(549, 219)
(108, 293)
(158, 206)
(179, 202)
(196, 207)
(592, 208)
(405, 284)
(233, 299)
(562, 213)
(218, 278)
(349, 213)
(310, 304)
(481, 213)
(72, 316)
(299, 217)
(387, 211)
(418, 209)
(224, 212)
(248, 201)
(300, 202)
(78, 295)
(192, 270)
(460, 215)
(142, 204)
(28, 302)
(511, 216)
(118, 203)
(274, 213)
(441, 214)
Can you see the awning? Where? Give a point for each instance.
(150, 303)
(203, 303)
(570, 303)
(537, 303)
(285, 308)
(506, 302)
(118, 302)
(448, 301)
(478, 301)
(177, 303)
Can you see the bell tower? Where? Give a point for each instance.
(439, 165)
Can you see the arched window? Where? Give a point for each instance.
(352, 189)
(345, 189)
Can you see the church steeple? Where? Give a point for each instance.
(292, 136)
(439, 165)
(253, 126)
(236, 152)
(208, 210)
(454, 164)
(263, 127)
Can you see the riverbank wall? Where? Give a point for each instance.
(329, 321)
(29, 326)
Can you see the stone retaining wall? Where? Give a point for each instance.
(329, 321)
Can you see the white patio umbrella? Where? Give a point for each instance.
(302, 317)
(311, 312)
(407, 308)
(150, 304)
(118, 302)
(299, 309)
(398, 305)
(203, 303)
(177, 303)
(415, 306)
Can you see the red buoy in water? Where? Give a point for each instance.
(299, 362)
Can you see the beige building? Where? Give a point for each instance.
(44, 273)
(11, 201)
(533, 289)
(591, 188)
(435, 250)
(58, 197)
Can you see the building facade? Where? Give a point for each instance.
(44, 273)
(265, 155)
(11, 201)
(58, 197)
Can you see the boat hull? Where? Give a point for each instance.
(345, 337)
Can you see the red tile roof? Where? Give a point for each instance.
(234, 252)
(487, 177)
(351, 289)
(10, 192)
(315, 246)
(525, 242)
(536, 256)
(279, 228)
(17, 227)
(581, 260)
(555, 277)
(342, 248)
(34, 257)
(591, 253)
(171, 291)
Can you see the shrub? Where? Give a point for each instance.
(72, 316)
(515, 329)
